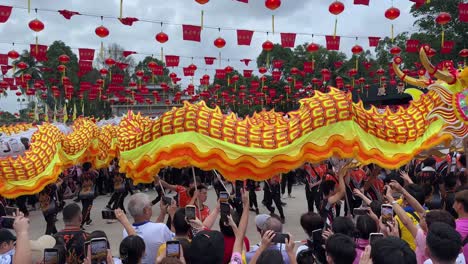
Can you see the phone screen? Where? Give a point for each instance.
(108, 214)
(359, 211)
(190, 212)
(280, 238)
(167, 200)
(387, 213)
(317, 236)
(373, 237)
(98, 251)
(7, 222)
(223, 197)
(50, 256)
(10, 211)
(173, 249)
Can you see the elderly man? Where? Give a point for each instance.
(264, 223)
(154, 234)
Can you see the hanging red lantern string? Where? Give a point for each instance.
(442, 19)
(356, 50)
(392, 13)
(152, 65)
(162, 38)
(110, 62)
(63, 59)
(37, 26)
(267, 46)
(464, 54)
(102, 32)
(272, 5)
(312, 48)
(336, 8)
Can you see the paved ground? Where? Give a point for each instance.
(293, 210)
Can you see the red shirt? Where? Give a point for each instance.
(205, 212)
(229, 246)
(184, 198)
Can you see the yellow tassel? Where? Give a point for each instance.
(273, 24)
(268, 60)
(110, 75)
(392, 33)
(443, 37)
(162, 55)
(37, 47)
(202, 14)
(101, 52)
(121, 3)
(29, 6)
(336, 25)
(219, 59)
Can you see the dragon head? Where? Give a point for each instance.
(451, 86)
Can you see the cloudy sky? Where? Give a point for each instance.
(299, 16)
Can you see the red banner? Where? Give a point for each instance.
(254, 85)
(361, 2)
(243, 1)
(412, 45)
(288, 40)
(278, 64)
(5, 12)
(86, 54)
(68, 14)
(246, 61)
(117, 78)
(248, 73)
(463, 12)
(276, 75)
(128, 21)
(374, 41)
(3, 59)
(39, 52)
(188, 72)
(20, 82)
(172, 61)
(85, 67)
(209, 60)
(122, 65)
(308, 66)
(128, 53)
(159, 70)
(244, 37)
(220, 74)
(191, 33)
(333, 42)
(5, 69)
(85, 86)
(448, 46)
(204, 81)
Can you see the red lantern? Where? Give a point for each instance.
(22, 65)
(132, 84)
(464, 54)
(235, 78)
(262, 70)
(443, 18)
(206, 77)
(356, 49)
(312, 47)
(18, 93)
(395, 50)
(267, 45)
(139, 74)
(162, 37)
(103, 72)
(294, 71)
(64, 59)
(152, 65)
(36, 25)
(380, 71)
(392, 13)
(228, 69)
(12, 54)
(110, 62)
(61, 68)
(202, 2)
(27, 77)
(336, 8)
(272, 4)
(219, 43)
(192, 67)
(44, 96)
(431, 52)
(173, 75)
(102, 31)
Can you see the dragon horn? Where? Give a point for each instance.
(432, 70)
(404, 77)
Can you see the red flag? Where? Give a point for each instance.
(68, 14)
(5, 12)
(117, 78)
(333, 43)
(86, 54)
(188, 72)
(128, 21)
(172, 61)
(463, 12)
(39, 52)
(85, 67)
(374, 41)
(288, 40)
(209, 60)
(276, 75)
(254, 84)
(204, 81)
(243, 1)
(278, 64)
(220, 74)
(248, 73)
(128, 53)
(5, 69)
(158, 70)
(3, 59)
(246, 61)
(10, 81)
(412, 45)
(244, 37)
(448, 46)
(308, 66)
(191, 33)
(122, 65)
(361, 2)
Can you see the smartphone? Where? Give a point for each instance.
(225, 211)
(10, 211)
(108, 215)
(7, 222)
(280, 238)
(359, 211)
(173, 249)
(223, 197)
(386, 211)
(190, 212)
(51, 256)
(98, 251)
(317, 236)
(86, 246)
(373, 237)
(167, 200)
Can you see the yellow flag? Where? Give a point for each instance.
(74, 112)
(65, 114)
(46, 114)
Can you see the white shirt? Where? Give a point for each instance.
(154, 234)
(460, 260)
